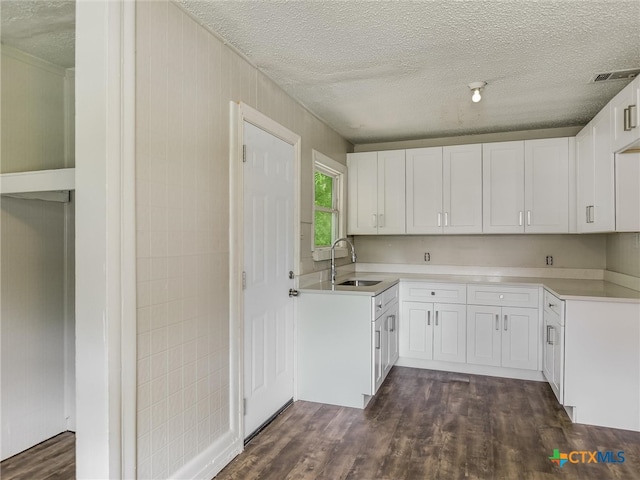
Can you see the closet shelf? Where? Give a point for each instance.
(49, 185)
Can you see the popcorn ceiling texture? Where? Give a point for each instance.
(44, 29)
(383, 71)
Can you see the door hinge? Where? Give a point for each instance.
(244, 280)
(244, 153)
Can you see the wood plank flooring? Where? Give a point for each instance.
(53, 459)
(434, 425)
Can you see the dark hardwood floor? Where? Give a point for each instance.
(434, 425)
(53, 459)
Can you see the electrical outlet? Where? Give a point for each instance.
(549, 260)
(427, 257)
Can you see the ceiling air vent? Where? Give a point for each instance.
(619, 75)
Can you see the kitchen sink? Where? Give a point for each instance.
(360, 283)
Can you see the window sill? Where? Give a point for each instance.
(321, 254)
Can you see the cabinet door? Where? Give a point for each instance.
(391, 192)
(585, 180)
(392, 337)
(424, 190)
(548, 348)
(546, 185)
(379, 351)
(628, 192)
(557, 337)
(603, 211)
(362, 195)
(520, 338)
(622, 106)
(483, 335)
(462, 189)
(503, 187)
(449, 333)
(416, 330)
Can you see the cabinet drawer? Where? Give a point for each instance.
(384, 300)
(434, 292)
(503, 296)
(553, 305)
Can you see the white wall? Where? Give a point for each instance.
(38, 340)
(186, 78)
(623, 253)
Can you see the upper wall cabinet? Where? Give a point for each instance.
(376, 193)
(625, 117)
(595, 175)
(525, 186)
(444, 190)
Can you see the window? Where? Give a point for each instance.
(328, 207)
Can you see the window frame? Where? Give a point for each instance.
(330, 167)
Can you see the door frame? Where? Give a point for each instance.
(241, 112)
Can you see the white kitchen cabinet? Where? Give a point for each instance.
(525, 186)
(393, 339)
(627, 167)
(376, 193)
(553, 346)
(602, 362)
(625, 116)
(444, 190)
(345, 347)
(433, 330)
(449, 333)
(502, 336)
(595, 176)
(503, 187)
(546, 185)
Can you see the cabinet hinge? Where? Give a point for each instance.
(244, 406)
(244, 280)
(244, 153)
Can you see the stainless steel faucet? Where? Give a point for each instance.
(333, 256)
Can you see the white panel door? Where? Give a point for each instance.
(268, 258)
(483, 335)
(391, 192)
(462, 189)
(449, 333)
(520, 337)
(424, 190)
(416, 330)
(546, 185)
(362, 193)
(503, 187)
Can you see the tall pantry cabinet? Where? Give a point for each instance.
(37, 393)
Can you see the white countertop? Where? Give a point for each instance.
(566, 289)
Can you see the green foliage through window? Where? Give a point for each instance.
(325, 215)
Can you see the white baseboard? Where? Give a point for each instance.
(533, 375)
(209, 463)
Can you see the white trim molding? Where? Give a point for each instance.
(105, 240)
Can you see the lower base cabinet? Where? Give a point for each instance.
(433, 331)
(502, 336)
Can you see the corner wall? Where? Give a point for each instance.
(623, 253)
(186, 79)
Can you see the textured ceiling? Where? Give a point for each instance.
(43, 28)
(392, 70)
